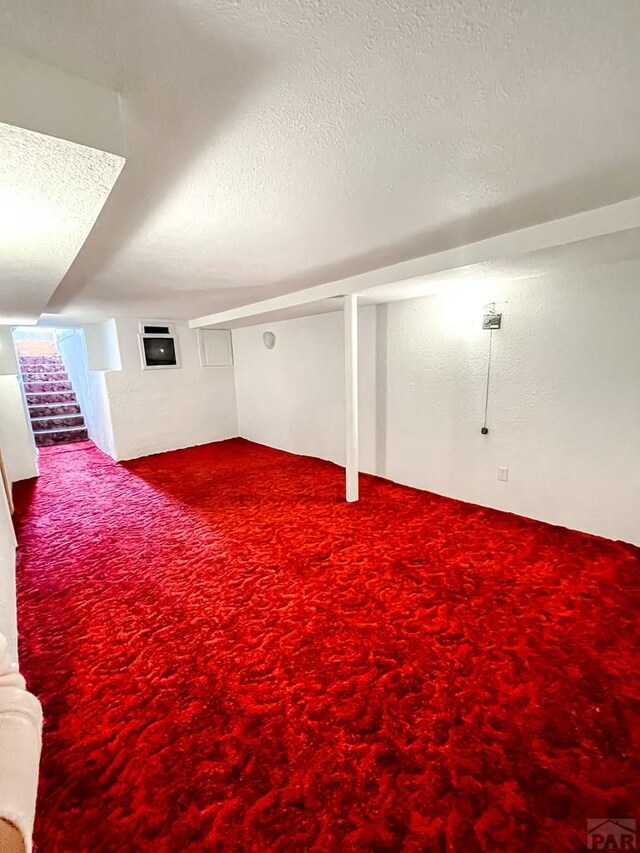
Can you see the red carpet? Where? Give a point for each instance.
(230, 658)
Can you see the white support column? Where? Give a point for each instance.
(351, 394)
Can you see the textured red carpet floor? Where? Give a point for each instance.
(230, 658)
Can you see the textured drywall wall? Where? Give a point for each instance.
(292, 396)
(8, 359)
(7, 574)
(100, 423)
(20, 459)
(157, 410)
(134, 412)
(16, 456)
(16, 439)
(101, 343)
(89, 385)
(564, 412)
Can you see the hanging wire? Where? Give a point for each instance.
(485, 430)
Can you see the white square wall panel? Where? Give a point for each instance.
(215, 347)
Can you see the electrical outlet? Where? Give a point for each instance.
(503, 474)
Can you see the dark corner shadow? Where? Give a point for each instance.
(200, 97)
(585, 191)
(23, 493)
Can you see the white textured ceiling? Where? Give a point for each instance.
(272, 146)
(51, 192)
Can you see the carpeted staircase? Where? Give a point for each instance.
(53, 407)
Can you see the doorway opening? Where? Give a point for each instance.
(54, 408)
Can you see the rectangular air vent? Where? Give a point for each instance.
(156, 330)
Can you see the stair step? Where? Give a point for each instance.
(46, 387)
(60, 376)
(40, 362)
(37, 398)
(56, 422)
(60, 436)
(49, 409)
(55, 415)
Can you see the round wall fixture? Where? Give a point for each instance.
(269, 340)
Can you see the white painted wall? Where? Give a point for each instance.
(7, 575)
(8, 358)
(292, 397)
(157, 410)
(20, 458)
(564, 410)
(16, 439)
(100, 424)
(101, 344)
(133, 412)
(89, 385)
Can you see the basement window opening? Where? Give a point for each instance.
(158, 346)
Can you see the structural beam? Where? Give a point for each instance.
(589, 224)
(351, 394)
